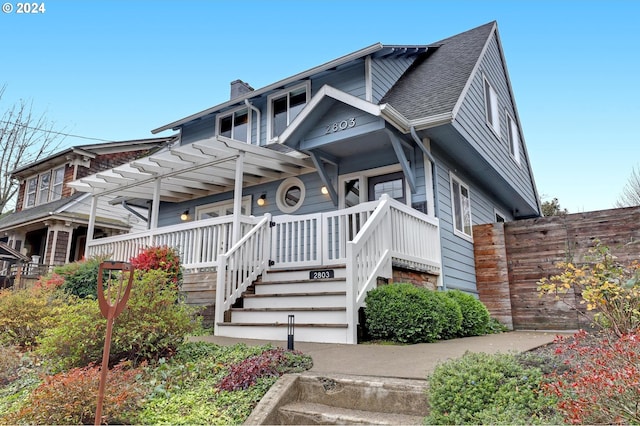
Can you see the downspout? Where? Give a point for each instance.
(434, 171)
(257, 111)
(130, 209)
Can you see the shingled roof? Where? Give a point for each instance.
(435, 81)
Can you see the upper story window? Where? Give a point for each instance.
(491, 106)
(514, 138)
(461, 205)
(235, 125)
(284, 107)
(44, 188)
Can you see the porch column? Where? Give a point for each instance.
(92, 219)
(237, 197)
(155, 205)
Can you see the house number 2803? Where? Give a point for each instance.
(340, 125)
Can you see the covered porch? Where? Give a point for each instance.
(366, 241)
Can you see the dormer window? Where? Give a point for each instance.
(284, 107)
(44, 188)
(235, 125)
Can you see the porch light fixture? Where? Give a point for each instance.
(185, 215)
(324, 190)
(262, 200)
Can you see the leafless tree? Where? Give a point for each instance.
(25, 137)
(631, 192)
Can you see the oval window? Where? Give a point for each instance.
(290, 195)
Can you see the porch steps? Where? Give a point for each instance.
(313, 399)
(318, 307)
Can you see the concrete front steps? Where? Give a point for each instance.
(315, 399)
(318, 306)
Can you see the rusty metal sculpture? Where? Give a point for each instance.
(111, 306)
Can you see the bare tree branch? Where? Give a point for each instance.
(631, 192)
(24, 138)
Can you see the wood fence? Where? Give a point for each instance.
(512, 257)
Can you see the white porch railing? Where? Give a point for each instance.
(240, 267)
(394, 232)
(316, 239)
(199, 243)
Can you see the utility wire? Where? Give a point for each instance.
(40, 129)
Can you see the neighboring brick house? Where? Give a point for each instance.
(49, 224)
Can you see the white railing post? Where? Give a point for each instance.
(221, 291)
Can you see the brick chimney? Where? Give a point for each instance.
(239, 88)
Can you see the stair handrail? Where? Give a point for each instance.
(240, 266)
(368, 257)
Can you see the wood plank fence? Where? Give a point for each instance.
(512, 257)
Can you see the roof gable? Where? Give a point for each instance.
(433, 85)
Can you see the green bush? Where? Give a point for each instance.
(404, 313)
(475, 316)
(152, 326)
(488, 389)
(453, 316)
(25, 314)
(80, 278)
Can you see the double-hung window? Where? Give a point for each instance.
(461, 205)
(284, 107)
(32, 189)
(235, 125)
(514, 138)
(491, 106)
(44, 188)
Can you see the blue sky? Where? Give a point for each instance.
(115, 70)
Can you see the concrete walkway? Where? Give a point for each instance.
(407, 361)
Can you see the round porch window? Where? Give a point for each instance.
(290, 195)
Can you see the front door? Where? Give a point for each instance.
(391, 184)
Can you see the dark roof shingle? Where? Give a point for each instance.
(434, 83)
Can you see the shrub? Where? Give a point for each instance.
(80, 278)
(480, 389)
(453, 316)
(603, 386)
(475, 316)
(152, 326)
(10, 363)
(160, 258)
(25, 314)
(404, 313)
(71, 397)
(608, 288)
(270, 363)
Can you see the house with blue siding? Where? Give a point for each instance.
(288, 203)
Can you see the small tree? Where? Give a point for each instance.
(631, 193)
(552, 208)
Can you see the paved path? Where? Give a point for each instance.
(408, 361)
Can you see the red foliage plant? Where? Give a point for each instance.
(49, 282)
(71, 397)
(603, 385)
(247, 372)
(160, 258)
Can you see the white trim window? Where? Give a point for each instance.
(44, 188)
(500, 217)
(491, 106)
(513, 138)
(236, 125)
(222, 208)
(31, 191)
(461, 207)
(284, 107)
(290, 195)
(57, 184)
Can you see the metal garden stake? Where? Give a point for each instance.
(111, 305)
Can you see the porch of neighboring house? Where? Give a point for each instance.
(316, 267)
